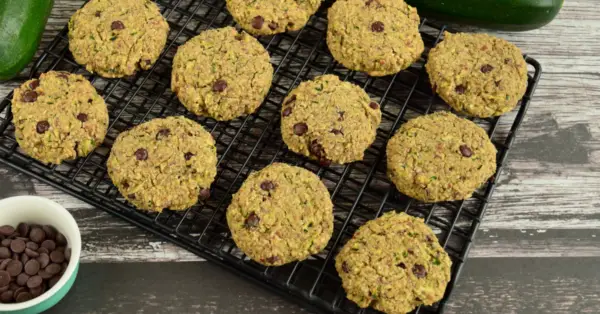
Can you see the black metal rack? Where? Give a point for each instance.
(360, 191)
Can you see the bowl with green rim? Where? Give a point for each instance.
(42, 211)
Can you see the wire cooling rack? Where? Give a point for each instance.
(360, 191)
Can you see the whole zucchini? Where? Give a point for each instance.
(509, 15)
(22, 24)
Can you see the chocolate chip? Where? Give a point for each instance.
(34, 281)
(204, 194)
(97, 14)
(141, 154)
(22, 279)
(131, 196)
(290, 24)
(465, 151)
(345, 267)
(267, 185)
(7, 230)
(82, 117)
(273, 26)
(290, 100)
(341, 115)
(5, 252)
(44, 260)
(300, 128)
(401, 265)
(90, 101)
(239, 37)
(30, 96)
(411, 252)
(60, 239)
(272, 259)
(57, 256)
(6, 296)
(337, 132)
(188, 156)
(4, 278)
(117, 25)
(486, 68)
(373, 105)
(24, 258)
(23, 229)
(42, 126)
(17, 246)
(324, 162)
(19, 290)
(377, 27)
(43, 250)
(4, 288)
(50, 232)
(219, 86)
(31, 253)
(460, 89)
(36, 292)
(45, 274)
(5, 242)
(428, 239)
(257, 22)
(53, 269)
(32, 267)
(419, 271)
(14, 268)
(4, 264)
(507, 61)
(287, 111)
(34, 84)
(162, 133)
(37, 235)
(23, 297)
(316, 149)
(251, 221)
(63, 75)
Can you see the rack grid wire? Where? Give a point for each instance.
(360, 191)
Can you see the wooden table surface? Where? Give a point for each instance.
(537, 251)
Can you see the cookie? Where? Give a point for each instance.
(380, 37)
(116, 38)
(394, 264)
(281, 214)
(58, 117)
(477, 74)
(329, 120)
(164, 163)
(222, 74)
(440, 157)
(268, 17)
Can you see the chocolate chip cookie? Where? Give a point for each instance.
(164, 163)
(222, 74)
(267, 17)
(115, 38)
(440, 157)
(394, 264)
(281, 214)
(329, 120)
(380, 37)
(478, 74)
(58, 117)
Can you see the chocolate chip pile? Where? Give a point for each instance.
(32, 260)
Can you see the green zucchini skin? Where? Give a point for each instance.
(507, 15)
(22, 24)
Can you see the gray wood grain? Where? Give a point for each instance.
(546, 205)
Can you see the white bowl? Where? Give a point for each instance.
(42, 211)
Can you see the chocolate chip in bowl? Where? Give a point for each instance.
(40, 246)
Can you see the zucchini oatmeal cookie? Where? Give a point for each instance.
(329, 120)
(440, 157)
(478, 74)
(281, 214)
(164, 163)
(59, 116)
(222, 74)
(380, 37)
(268, 17)
(394, 264)
(115, 38)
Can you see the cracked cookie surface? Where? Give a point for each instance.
(163, 163)
(394, 263)
(115, 38)
(329, 120)
(478, 74)
(281, 214)
(58, 117)
(268, 17)
(440, 157)
(222, 74)
(379, 37)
